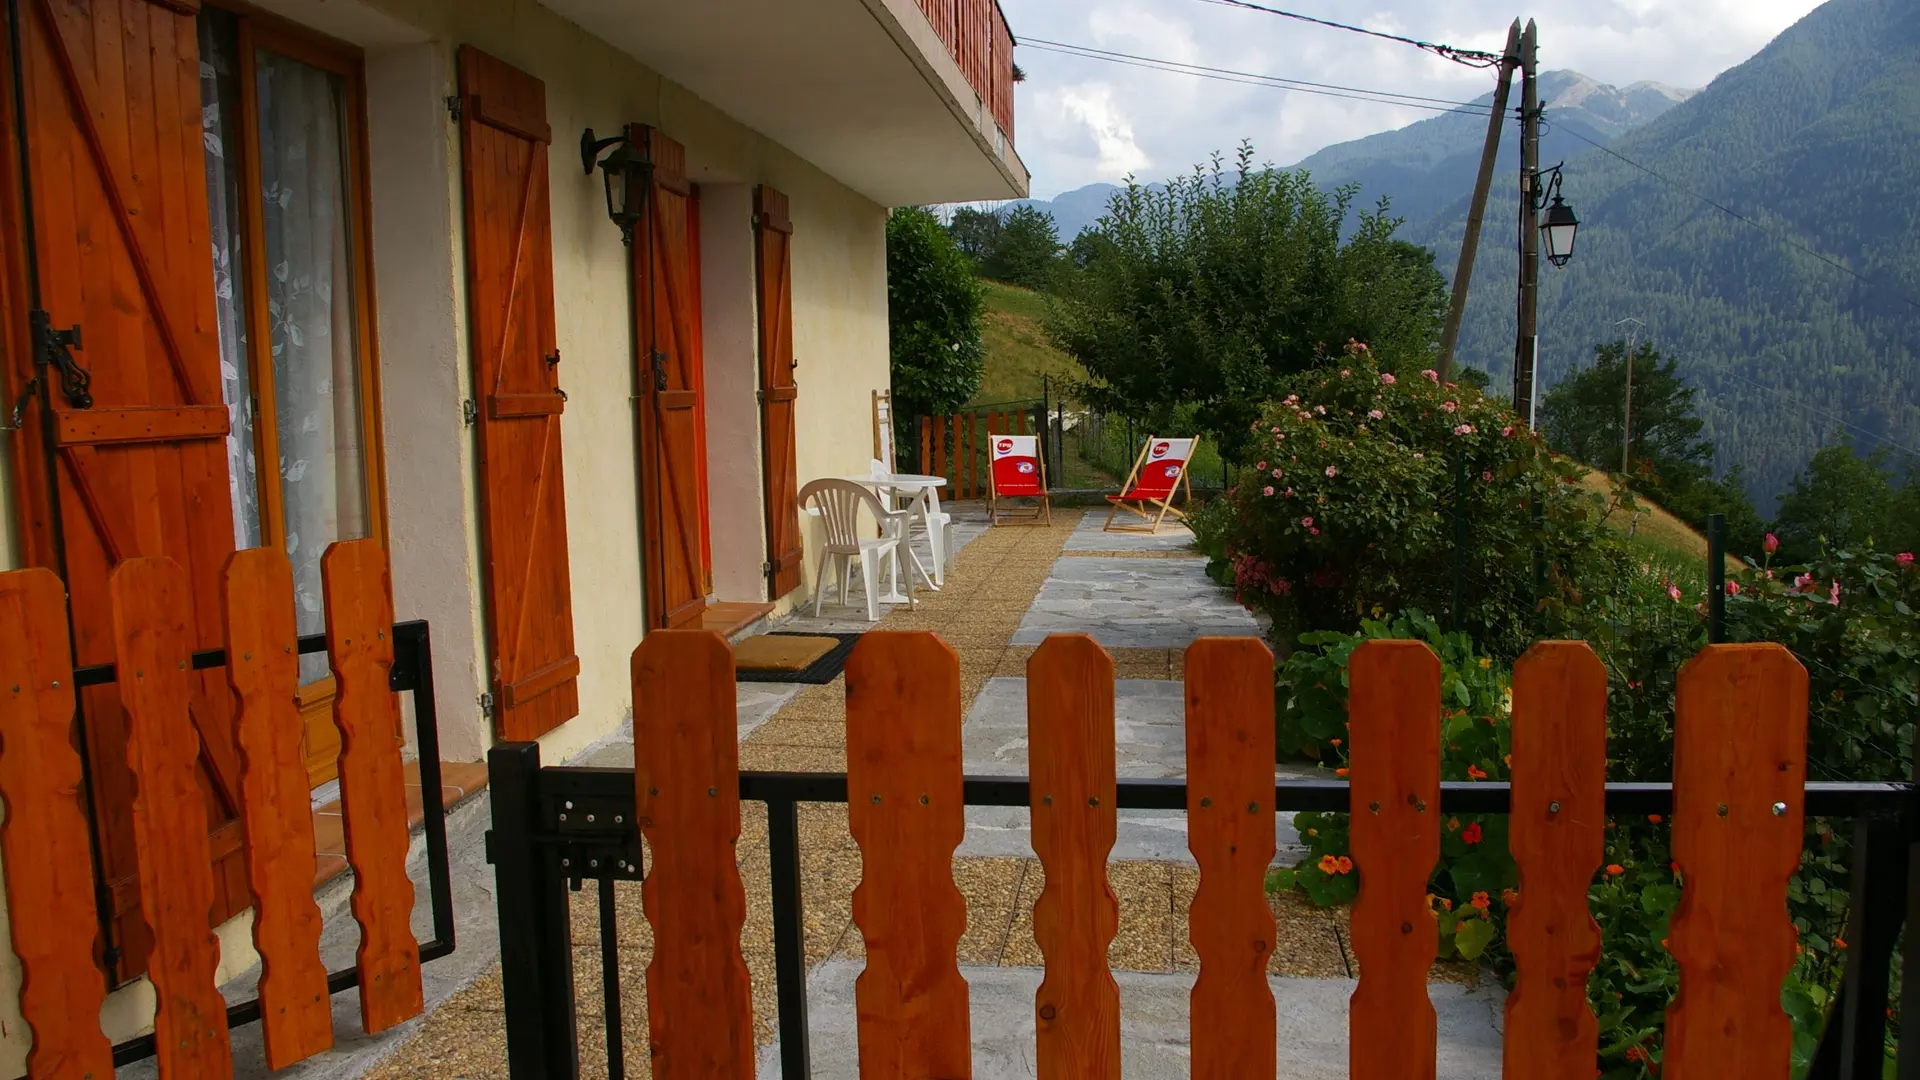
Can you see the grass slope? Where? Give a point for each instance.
(1018, 353)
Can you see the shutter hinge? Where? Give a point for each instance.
(470, 412)
(760, 396)
(486, 705)
(50, 350)
(456, 107)
(19, 416)
(766, 568)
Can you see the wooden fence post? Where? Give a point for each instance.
(1739, 776)
(1230, 829)
(1070, 735)
(152, 654)
(687, 803)
(263, 668)
(1558, 839)
(904, 808)
(373, 797)
(1394, 737)
(50, 893)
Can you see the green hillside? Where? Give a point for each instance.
(1018, 354)
(1818, 139)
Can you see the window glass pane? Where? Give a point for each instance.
(311, 321)
(219, 121)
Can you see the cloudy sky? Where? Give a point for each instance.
(1081, 120)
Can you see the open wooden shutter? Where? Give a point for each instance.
(121, 245)
(667, 325)
(774, 260)
(533, 668)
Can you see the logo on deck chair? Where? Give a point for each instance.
(1160, 449)
(1005, 446)
(1024, 467)
(1173, 471)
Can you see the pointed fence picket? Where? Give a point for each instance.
(1737, 820)
(45, 842)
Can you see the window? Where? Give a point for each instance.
(283, 113)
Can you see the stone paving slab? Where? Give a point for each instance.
(1090, 535)
(1155, 1018)
(1150, 744)
(1134, 603)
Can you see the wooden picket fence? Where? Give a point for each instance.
(50, 889)
(957, 447)
(1737, 833)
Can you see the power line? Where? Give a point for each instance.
(1469, 57)
(1247, 78)
(1824, 416)
(1738, 216)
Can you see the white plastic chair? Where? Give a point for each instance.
(924, 505)
(837, 504)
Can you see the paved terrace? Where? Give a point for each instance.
(1143, 597)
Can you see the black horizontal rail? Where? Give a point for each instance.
(1823, 799)
(412, 674)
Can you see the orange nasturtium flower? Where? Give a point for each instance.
(1481, 901)
(1345, 865)
(1329, 865)
(1616, 869)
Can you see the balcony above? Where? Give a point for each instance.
(905, 101)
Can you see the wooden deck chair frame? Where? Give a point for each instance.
(1156, 509)
(1040, 515)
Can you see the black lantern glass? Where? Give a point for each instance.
(1558, 229)
(627, 174)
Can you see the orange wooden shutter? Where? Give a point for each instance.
(700, 386)
(119, 209)
(777, 389)
(503, 123)
(668, 322)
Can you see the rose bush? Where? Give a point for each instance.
(1351, 495)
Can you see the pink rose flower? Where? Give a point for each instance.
(1344, 372)
(1834, 597)
(1448, 406)
(1278, 473)
(1306, 522)
(1387, 377)
(1332, 471)
(1268, 490)
(1673, 591)
(1507, 432)
(1262, 466)
(1315, 532)
(1376, 414)
(1431, 375)
(1905, 558)
(1487, 477)
(1733, 588)
(1771, 543)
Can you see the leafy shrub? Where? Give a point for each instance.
(1355, 491)
(933, 316)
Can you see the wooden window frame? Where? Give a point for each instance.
(256, 30)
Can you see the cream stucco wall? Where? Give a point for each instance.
(840, 338)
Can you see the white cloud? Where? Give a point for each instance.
(1079, 121)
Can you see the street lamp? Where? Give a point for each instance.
(627, 173)
(1560, 226)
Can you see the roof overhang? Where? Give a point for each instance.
(863, 89)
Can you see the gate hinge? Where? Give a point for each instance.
(486, 705)
(470, 412)
(456, 106)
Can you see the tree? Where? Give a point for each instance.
(1583, 413)
(1207, 294)
(933, 316)
(1841, 499)
(1027, 250)
(1474, 377)
(976, 232)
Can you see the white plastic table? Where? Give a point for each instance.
(916, 485)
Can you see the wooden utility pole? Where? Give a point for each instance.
(1626, 424)
(1470, 244)
(1527, 346)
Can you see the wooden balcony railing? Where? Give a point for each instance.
(976, 36)
(1737, 805)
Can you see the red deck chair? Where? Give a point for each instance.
(1019, 472)
(1156, 477)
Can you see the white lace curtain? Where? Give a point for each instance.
(306, 227)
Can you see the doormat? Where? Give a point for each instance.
(789, 657)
